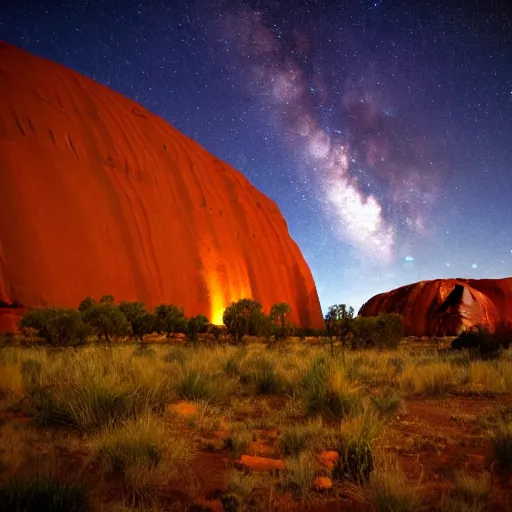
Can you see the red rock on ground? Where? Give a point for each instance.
(328, 459)
(100, 196)
(322, 483)
(261, 464)
(444, 307)
(184, 409)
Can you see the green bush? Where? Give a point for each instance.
(96, 392)
(320, 396)
(265, 377)
(481, 342)
(383, 332)
(355, 462)
(57, 326)
(387, 403)
(196, 384)
(107, 320)
(238, 441)
(311, 435)
(299, 474)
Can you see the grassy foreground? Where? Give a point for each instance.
(169, 427)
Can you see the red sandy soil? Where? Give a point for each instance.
(443, 306)
(100, 196)
(433, 438)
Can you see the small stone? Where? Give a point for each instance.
(322, 483)
(261, 463)
(328, 459)
(184, 409)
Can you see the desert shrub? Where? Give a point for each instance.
(42, 494)
(480, 342)
(389, 491)
(489, 376)
(95, 391)
(119, 453)
(243, 318)
(194, 385)
(355, 447)
(106, 320)
(55, 325)
(387, 402)
(197, 384)
(323, 391)
(355, 462)
(299, 473)
(265, 376)
(176, 354)
(169, 319)
(311, 435)
(383, 332)
(238, 441)
(232, 363)
(241, 486)
(501, 439)
(208, 418)
(145, 452)
(433, 379)
(142, 443)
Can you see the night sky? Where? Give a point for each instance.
(383, 130)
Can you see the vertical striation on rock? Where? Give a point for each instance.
(100, 196)
(444, 307)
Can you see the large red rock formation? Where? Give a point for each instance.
(444, 307)
(100, 196)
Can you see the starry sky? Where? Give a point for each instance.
(382, 129)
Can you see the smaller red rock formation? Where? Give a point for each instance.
(445, 307)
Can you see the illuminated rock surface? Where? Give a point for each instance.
(99, 196)
(443, 307)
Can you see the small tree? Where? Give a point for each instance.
(143, 324)
(132, 310)
(383, 331)
(279, 314)
(242, 317)
(338, 321)
(87, 303)
(195, 325)
(55, 325)
(107, 320)
(267, 327)
(107, 299)
(169, 318)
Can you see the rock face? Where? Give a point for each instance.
(445, 307)
(100, 196)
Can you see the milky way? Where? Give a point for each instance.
(275, 69)
(383, 130)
